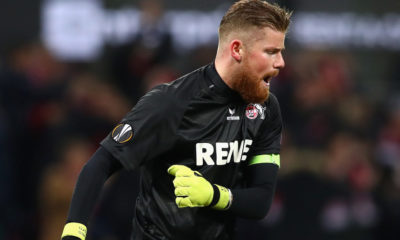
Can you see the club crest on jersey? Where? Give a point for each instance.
(253, 110)
(232, 113)
(122, 133)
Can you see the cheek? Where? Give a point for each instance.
(261, 63)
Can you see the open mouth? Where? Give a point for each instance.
(267, 80)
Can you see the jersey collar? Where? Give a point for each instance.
(220, 85)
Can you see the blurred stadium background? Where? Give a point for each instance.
(71, 69)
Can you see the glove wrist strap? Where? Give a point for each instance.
(222, 198)
(74, 229)
(215, 195)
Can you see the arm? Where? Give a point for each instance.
(136, 135)
(88, 188)
(255, 200)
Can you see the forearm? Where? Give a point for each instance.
(255, 200)
(89, 185)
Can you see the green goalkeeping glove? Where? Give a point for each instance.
(193, 190)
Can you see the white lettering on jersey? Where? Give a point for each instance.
(224, 152)
(204, 152)
(246, 148)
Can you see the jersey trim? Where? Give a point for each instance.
(266, 158)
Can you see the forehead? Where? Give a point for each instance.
(266, 36)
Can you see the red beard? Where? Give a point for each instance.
(249, 86)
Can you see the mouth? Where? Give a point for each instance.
(267, 80)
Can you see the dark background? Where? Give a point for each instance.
(340, 160)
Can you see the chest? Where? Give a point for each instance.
(212, 133)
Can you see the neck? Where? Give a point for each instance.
(224, 69)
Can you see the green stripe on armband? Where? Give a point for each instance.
(75, 229)
(266, 158)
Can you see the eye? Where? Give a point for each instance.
(272, 51)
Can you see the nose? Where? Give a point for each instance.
(279, 62)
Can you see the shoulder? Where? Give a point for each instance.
(273, 110)
(187, 84)
(272, 104)
(272, 100)
(157, 101)
(172, 96)
(181, 89)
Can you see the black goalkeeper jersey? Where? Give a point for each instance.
(199, 122)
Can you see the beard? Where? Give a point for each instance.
(250, 87)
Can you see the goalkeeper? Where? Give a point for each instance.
(207, 144)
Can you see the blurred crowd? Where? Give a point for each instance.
(340, 160)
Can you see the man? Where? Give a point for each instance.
(207, 144)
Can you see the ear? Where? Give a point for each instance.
(236, 49)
